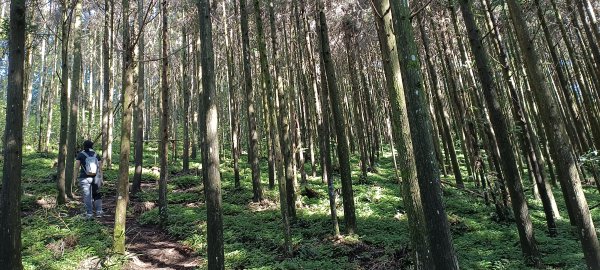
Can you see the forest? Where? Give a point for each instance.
(302, 134)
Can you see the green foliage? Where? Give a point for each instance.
(253, 232)
(4, 29)
(182, 221)
(590, 159)
(186, 181)
(51, 240)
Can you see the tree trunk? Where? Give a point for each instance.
(165, 117)
(253, 153)
(128, 96)
(41, 93)
(138, 113)
(500, 126)
(107, 42)
(50, 100)
(438, 231)
(10, 198)
(411, 195)
(349, 44)
(441, 111)
(210, 168)
(70, 174)
(28, 75)
(325, 142)
(233, 102)
(64, 107)
(340, 119)
(561, 148)
(186, 103)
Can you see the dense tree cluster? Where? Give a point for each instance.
(499, 96)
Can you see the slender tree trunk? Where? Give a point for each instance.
(210, 168)
(64, 107)
(50, 101)
(165, 117)
(349, 28)
(560, 144)
(340, 119)
(438, 231)
(233, 101)
(128, 96)
(325, 142)
(139, 104)
(41, 93)
(75, 89)
(500, 127)
(10, 198)
(253, 153)
(107, 81)
(411, 195)
(287, 129)
(281, 138)
(266, 83)
(442, 114)
(186, 104)
(28, 76)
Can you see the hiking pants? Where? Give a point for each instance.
(90, 194)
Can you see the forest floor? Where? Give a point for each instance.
(60, 238)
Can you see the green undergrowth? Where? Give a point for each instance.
(253, 232)
(53, 240)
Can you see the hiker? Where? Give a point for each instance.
(90, 179)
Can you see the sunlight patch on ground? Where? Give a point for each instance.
(263, 205)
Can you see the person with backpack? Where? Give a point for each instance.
(90, 179)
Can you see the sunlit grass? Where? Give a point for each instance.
(253, 232)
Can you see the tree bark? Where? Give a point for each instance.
(70, 174)
(340, 119)
(500, 126)
(128, 96)
(139, 104)
(560, 145)
(10, 198)
(64, 107)
(438, 231)
(165, 116)
(253, 153)
(107, 42)
(210, 168)
(411, 194)
(186, 103)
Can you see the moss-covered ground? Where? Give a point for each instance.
(58, 238)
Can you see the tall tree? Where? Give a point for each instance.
(340, 120)
(75, 88)
(210, 156)
(560, 144)
(139, 103)
(500, 126)
(41, 95)
(233, 99)
(411, 195)
(164, 119)
(436, 222)
(107, 62)
(127, 107)
(253, 153)
(10, 198)
(281, 142)
(64, 104)
(186, 101)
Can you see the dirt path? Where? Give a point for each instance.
(149, 247)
